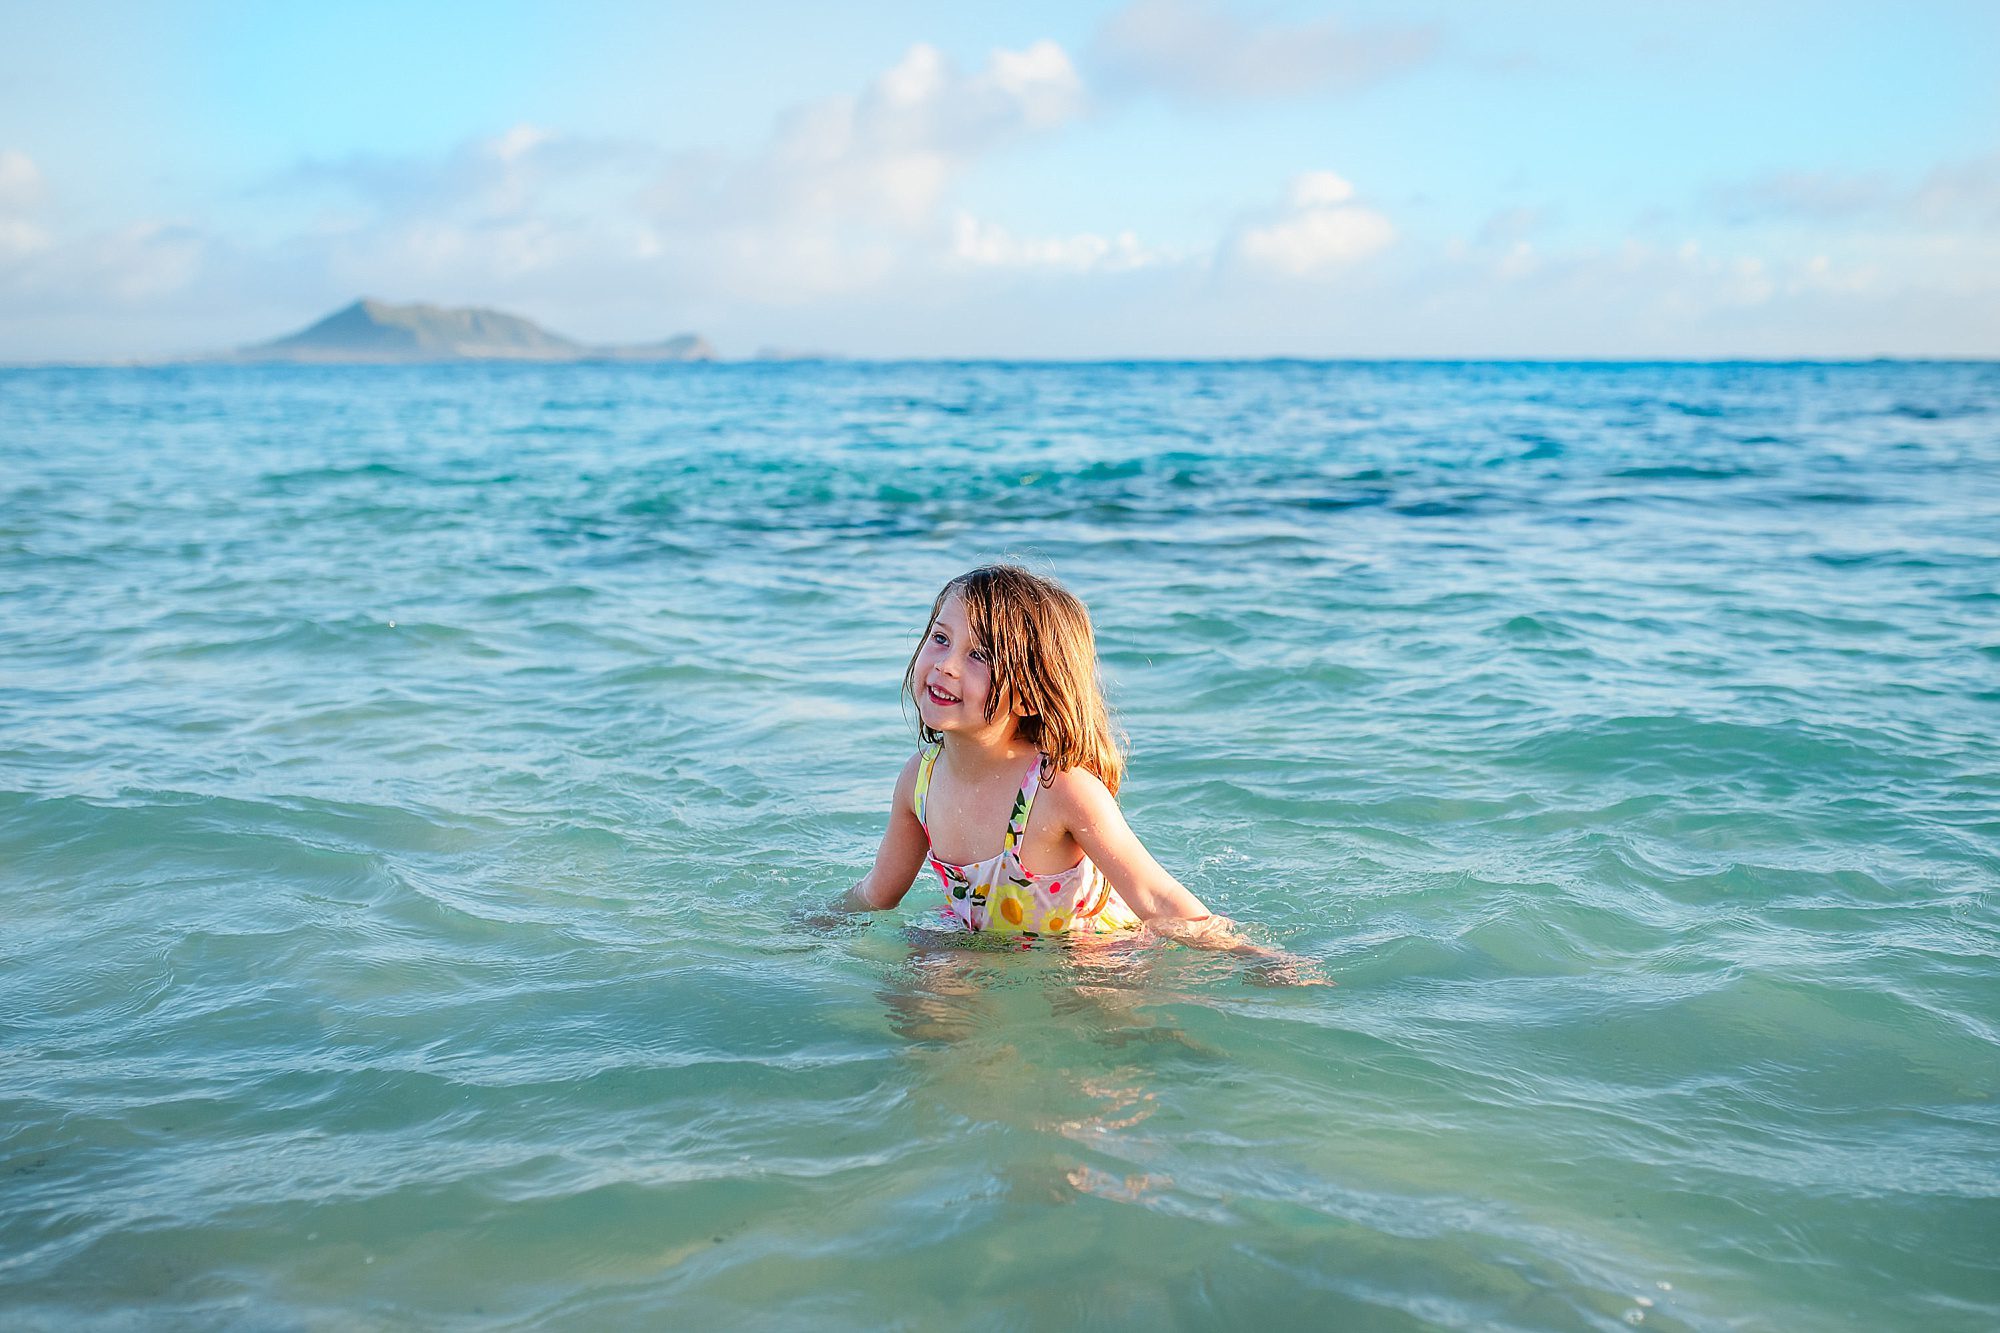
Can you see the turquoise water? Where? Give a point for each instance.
(416, 785)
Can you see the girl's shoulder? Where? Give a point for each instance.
(1076, 791)
(906, 781)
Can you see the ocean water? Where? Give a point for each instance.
(417, 786)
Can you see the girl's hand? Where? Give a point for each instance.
(839, 913)
(1277, 968)
(1270, 967)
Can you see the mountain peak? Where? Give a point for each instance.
(371, 330)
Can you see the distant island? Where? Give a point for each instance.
(377, 331)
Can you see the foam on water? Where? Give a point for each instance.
(414, 784)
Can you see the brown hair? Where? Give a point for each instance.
(1037, 637)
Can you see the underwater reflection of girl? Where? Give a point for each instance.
(1017, 741)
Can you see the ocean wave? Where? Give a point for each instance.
(1617, 737)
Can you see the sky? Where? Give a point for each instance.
(1159, 178)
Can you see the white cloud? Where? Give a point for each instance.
(41, 270)
(1319, 189)
(1818, 195)
(1186, 49)
(1963, 192)
(135, 264)
(888, 153)
(1519, 262)
(1678, 299)
(1319, 231)
(853, 188)
(1821, 274)
(844, 228)
(507, 174)
(518, 142)
(1510, 226)
(1959, 191)
(20, 238)
(20, 181)
(990, 245)
(21, 192)
(846, 193)
(151, 259)
(1041, 81)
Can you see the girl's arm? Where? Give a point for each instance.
(1162, 901)
(1093, 818)
(900, 856)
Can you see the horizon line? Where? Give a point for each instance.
(834, 359)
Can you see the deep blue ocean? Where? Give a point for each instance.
(418, 787)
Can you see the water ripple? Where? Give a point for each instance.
(415, 782)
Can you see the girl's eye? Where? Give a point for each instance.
(937, 637)
(979, 655)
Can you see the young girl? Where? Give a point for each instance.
(1012, 799)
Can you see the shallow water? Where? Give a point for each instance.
(415, 785)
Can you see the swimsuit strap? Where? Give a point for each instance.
(931, 753)
(1017, 822)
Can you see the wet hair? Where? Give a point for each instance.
(1037, 637)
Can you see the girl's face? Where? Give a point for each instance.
(954, 677)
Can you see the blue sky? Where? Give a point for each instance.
(1157, 178)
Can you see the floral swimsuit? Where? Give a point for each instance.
(1000, 896)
